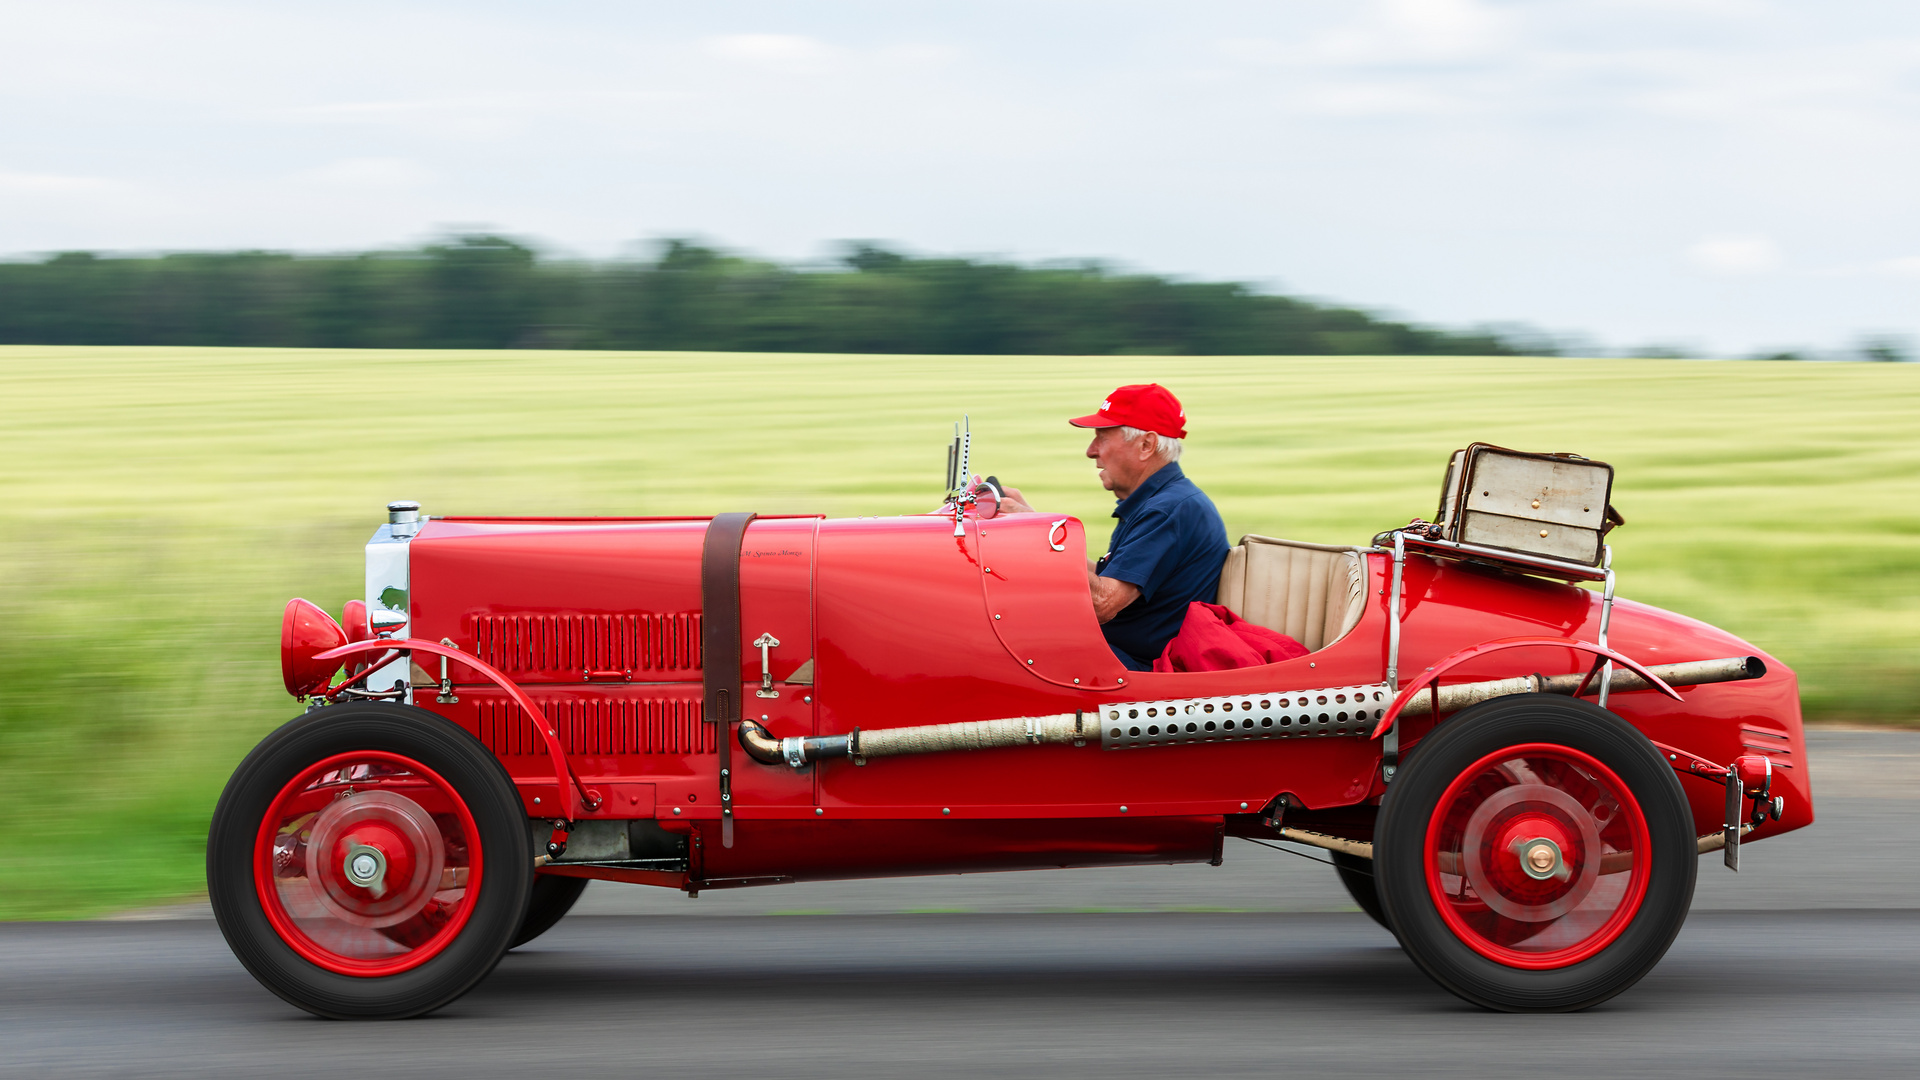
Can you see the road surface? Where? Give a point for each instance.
(1806, 963)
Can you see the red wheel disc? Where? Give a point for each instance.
(367, 863)
(1537, 856)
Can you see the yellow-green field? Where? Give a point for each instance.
(158, 507)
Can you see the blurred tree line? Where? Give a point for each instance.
(487, 292)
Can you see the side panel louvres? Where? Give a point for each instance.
(572, 644)
(599, 726)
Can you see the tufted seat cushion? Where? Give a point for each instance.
(1312, 593)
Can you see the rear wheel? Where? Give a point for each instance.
(553, 897)
(1535, 854)
(369, 861)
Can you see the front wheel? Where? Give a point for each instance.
(369, 861)
(1535, 854)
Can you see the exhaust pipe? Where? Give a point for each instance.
(761, 745)
(1075, 728)
(1062, 729)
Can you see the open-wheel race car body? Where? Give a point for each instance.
(1515, 774)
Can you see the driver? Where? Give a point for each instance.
(1170, 543)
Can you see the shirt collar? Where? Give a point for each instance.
(1148, 488)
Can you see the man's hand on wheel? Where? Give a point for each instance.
(1012, 502)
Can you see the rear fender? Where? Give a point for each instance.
(1431, 676)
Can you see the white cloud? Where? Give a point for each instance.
(1404, 30)
(362, 111)
(920, 56)
(1736, 256)
(1443, 26)
(1361, 98)
(791, 54)
(371, 174)
(33, 183)
(1906, 266)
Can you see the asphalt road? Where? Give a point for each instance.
(1806, 963)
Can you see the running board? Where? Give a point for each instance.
(1712, 841)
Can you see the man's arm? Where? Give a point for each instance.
(1110, 595)
(1135, 570)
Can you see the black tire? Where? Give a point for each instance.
(1356, 874)
(1411, 800)
(474, 774)
(553, 896)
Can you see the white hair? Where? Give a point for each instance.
(1169, 449)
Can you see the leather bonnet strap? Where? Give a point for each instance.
(720, 646)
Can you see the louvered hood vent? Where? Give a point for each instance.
(568, 647)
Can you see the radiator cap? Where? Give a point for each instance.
(404, 516)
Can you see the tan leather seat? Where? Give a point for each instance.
(1312, 593)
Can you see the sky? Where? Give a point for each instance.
(1724, 176)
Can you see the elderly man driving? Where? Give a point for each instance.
(1170, 543)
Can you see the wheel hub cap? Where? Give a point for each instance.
(1542, 859)
(377, 857)
(367, 867)
(1531, 852)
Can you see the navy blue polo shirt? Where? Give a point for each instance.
(1171, 543)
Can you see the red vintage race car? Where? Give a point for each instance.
(1513, 773)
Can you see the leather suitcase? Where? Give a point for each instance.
(1553, 505)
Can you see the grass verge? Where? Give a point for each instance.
(158, 507)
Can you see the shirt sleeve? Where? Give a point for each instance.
(1150, 555)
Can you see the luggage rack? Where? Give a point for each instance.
(1500, 558)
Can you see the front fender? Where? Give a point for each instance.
(573, 796)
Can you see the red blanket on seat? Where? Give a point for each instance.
(1215, 639)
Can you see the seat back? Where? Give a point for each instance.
(1312, 593)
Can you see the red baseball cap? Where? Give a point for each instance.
(1147, 406)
